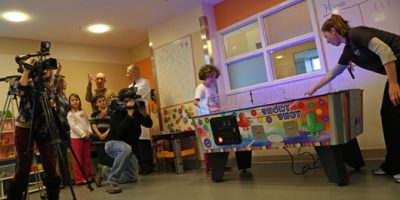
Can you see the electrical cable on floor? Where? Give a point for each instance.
(306, 167)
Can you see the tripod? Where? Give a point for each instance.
(11, 95)
(42, 106)
(37, 122)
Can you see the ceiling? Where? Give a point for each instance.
(66, 20)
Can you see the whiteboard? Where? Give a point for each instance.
(380, 14)
(175, 72)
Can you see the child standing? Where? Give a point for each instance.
(100, 123)
(206, 98)
(80, 138)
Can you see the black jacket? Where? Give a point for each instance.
(128, 129)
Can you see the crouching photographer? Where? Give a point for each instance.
(30, 128)
(128, 114)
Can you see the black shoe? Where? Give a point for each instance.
(147, 172)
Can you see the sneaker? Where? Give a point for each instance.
(378, 171)
(113, 188)
(146, 172)
(397, 178)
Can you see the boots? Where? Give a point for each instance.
(16, 191)
(53, 188)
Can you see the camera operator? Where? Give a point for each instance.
(48, 155)
(123, 144)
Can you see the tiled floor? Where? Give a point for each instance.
(264, 181)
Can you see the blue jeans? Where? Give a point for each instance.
(125, 166)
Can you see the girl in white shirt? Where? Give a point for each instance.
(80, 138)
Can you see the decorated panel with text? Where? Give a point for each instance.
(328, 119)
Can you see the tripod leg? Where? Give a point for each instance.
(50, 122)
(38, 179)
(5, 109)
(65, 172)
(80, 167)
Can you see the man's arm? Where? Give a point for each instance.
(89, 95)
(144, 117)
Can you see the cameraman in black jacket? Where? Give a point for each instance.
(122, 146)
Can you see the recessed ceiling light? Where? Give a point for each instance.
(99, 28)
(279, 57)
(15, 16)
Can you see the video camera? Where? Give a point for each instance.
(119, 102)
(42, 64)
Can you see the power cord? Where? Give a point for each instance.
(306, 167)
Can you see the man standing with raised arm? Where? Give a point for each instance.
(100, 90)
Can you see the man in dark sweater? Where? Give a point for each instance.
(122, 146)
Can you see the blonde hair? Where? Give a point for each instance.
(338, 23)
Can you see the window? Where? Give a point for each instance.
(272, 45)
(247, 72)
(281, 25)
(294, 60)
(242, 40)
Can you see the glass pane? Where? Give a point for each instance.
(247, 72)
(242, 40)
(299, 59)
(281, 25)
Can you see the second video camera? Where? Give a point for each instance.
(119, 102)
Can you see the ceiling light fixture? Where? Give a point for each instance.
(15, 16)
(99, 28)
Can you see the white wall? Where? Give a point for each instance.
(175, 28)
(140, 52)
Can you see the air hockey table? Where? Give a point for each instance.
(330, 123)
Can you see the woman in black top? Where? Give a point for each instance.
(377, 51)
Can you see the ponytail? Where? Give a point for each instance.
(338, 23)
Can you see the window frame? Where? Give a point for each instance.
(265, 50)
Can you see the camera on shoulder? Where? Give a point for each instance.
(120, 102)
